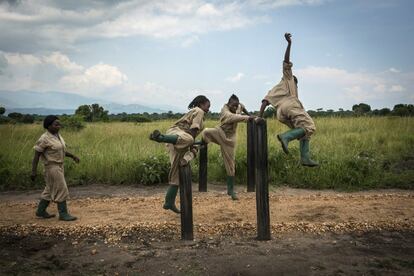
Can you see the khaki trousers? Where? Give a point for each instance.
(56, 189)
(177, 151)
(227, 146)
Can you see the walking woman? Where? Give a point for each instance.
(225, 135)
(51, 149)
(180, 139)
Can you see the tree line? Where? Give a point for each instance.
(96, 113)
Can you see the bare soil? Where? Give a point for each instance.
(124, 231)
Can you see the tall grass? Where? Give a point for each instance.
(354, 153)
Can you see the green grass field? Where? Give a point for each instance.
(354, 153)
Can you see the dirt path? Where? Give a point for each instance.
(125, 230)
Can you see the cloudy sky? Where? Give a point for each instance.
(165, 52)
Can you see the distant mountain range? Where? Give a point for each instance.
(44, 103)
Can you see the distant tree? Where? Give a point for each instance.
(15, 116)
(2, 110)
(27, 119)
(341, 109)
(361, 108)
(401, 110)
(319, 109)
(85, 112)
(384, 112)
(98, 113)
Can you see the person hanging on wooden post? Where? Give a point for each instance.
(225, 135)
(289, 110)
(180, 144)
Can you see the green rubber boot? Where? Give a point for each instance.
(288, 136)
(270, 111)
(63, 212)
(41, 209)
(163, 138)
(230, 187)
(304, 154)
(170, 199)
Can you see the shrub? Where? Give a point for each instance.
(74, 123)
(153, 169)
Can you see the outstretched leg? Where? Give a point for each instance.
(163, 138)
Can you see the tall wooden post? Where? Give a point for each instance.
(251, 138)
(262, 188)
(202, 169)
(186, 203)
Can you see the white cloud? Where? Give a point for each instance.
(190, 41)
(52, 24)
(354, 86)
(236, 78)
(22, 59)
(397, 88)
(56, 71)
(99, 76)
(62, 61)
(266, 4)
(56, 59)
(393, 70)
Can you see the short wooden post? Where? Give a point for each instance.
(251, 137)
(262, 187)
(186, 203)
(202, 169)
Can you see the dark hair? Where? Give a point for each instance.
(295, 79)
(200, 99)
(234, 98)
(49, 120)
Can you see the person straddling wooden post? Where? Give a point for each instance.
(290, 111)
(51, 149)
(180, 139)
(225, 135)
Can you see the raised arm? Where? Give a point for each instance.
(288, 38)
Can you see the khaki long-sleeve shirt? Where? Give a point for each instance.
(285, 89)
(229, 120)
(194, 119)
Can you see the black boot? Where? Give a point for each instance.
(63, 212)
(41, 209)
(170, 199)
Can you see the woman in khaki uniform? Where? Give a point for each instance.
(290, 111)
(180, 139)
(225, 135)
(51, 149)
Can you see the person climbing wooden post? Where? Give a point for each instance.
(202, 169)
(262, 188)
(186, 203)
(251, 135)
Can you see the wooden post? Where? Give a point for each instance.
(262, 188)
(202, 169)
(251, 137)
(186, 203)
